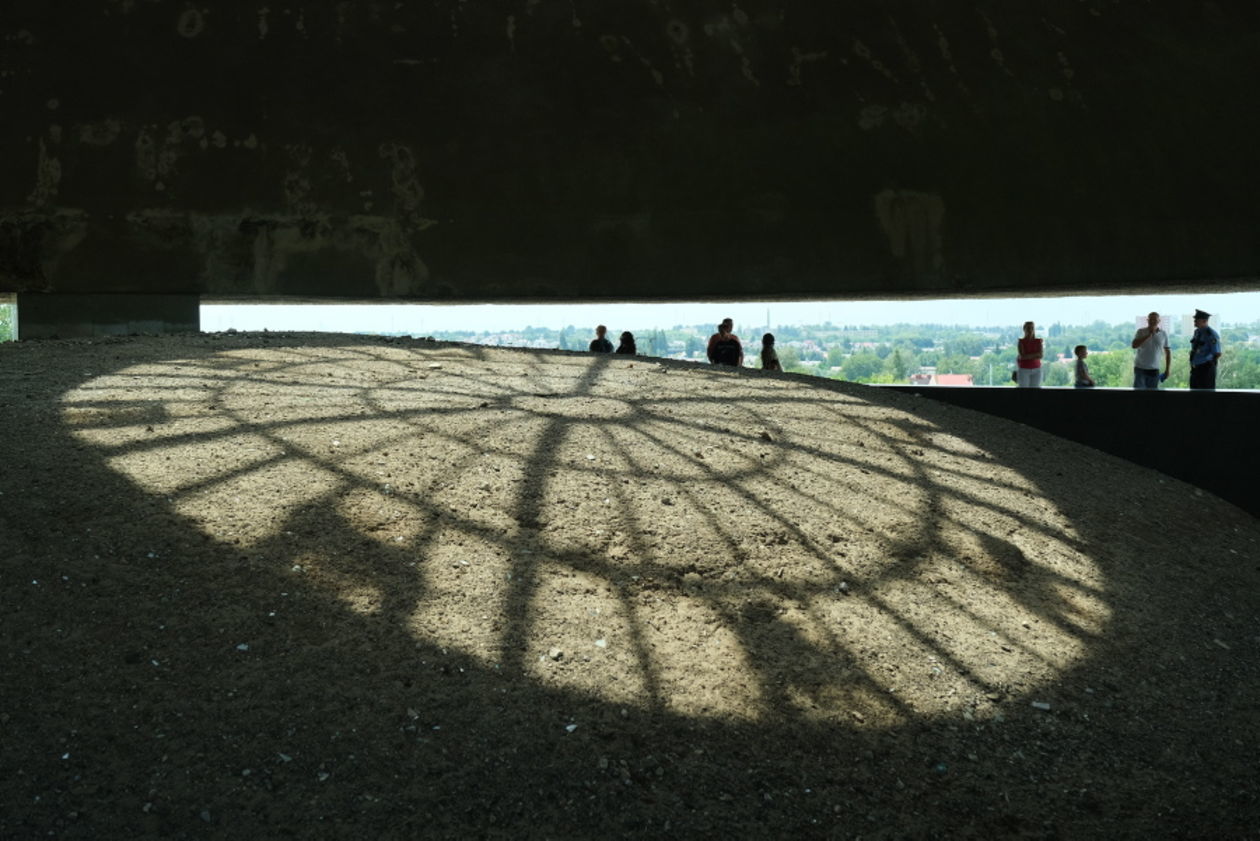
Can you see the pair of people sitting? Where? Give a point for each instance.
(600, 343)
(726, 349)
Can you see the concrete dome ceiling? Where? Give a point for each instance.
(640, 150)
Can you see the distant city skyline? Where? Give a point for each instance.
(423, 319)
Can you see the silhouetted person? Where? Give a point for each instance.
(1083, 379)
(1031, 349)
(769, 356)
(627, 344)
(725, 347)
(1148, 342)
(1205, 349)
(600, 343)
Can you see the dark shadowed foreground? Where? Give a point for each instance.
(329, 587)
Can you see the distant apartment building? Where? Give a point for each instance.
(1166, 323)
(1180, 325)
(1187, 323)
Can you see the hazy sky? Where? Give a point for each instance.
(419, 320)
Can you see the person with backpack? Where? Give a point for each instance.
(725, 347)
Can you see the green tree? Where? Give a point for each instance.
(1239, 368)
(790, 359)
(812, 353)
(1179, 373)
(896, 366)
(1111, 370)
(657, 343)
(6, 322)
(1056, 374)
(956, 364)
(965, 344)
(861, 367)
(994, 368)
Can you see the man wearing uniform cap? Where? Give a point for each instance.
(1205, 349)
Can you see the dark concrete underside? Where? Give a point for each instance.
(1103, 419)
(476, 150)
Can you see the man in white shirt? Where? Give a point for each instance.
(1148, 343)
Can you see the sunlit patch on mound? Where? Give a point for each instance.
(656, 536)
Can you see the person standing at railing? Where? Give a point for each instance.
(1148, 342)
(1205, 349)
(1031, 349)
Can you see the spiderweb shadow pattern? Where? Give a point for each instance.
(671, 537)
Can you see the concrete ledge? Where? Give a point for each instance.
(46, 316)
(1200, 437)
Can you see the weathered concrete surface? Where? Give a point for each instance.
(581, 149)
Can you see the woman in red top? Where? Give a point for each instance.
(1028, 374)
